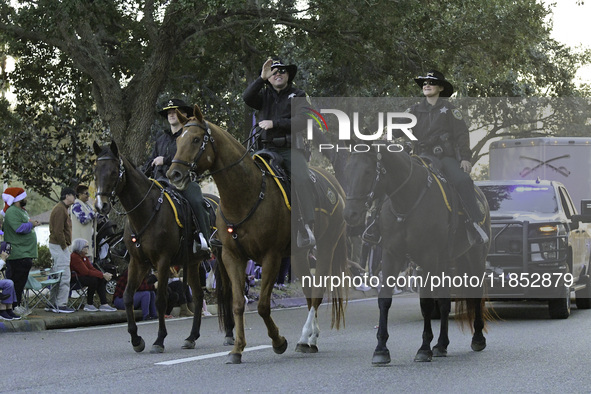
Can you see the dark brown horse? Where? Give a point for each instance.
(418, 219)
(254, 222)
(152, 235)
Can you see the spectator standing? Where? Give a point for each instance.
(90, 276)
(19, 231)
(7, 294)
(83, 217)
(60, 238)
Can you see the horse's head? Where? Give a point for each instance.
(363, 175)
(195, 150)
(107, 175)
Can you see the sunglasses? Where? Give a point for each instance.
(430, 82)
(279, 71)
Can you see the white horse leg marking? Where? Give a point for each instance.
(308, 328)
(315, 331)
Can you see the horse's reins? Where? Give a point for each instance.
(206, 138)
(112, 199)
(231, 227)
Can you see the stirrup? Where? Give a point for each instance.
(371, 237)
(483, 238)
(307, 242)
(201, 245)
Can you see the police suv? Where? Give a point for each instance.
(540, 246)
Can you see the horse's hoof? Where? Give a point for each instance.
(188, 344)
(381, 357)
(478, 346)
(424, 356)
(140, 347)
(302, 348)
(229, 341)
(234, 358)
(439, 351)
(157, 349)
(281, 348)
(305, 348)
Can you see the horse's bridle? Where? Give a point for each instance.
(371, 195)
(113, 192)
(208, 137)
(112, 196)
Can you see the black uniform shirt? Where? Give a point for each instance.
(436, 120)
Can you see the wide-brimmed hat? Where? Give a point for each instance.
(175, 103)
(448, 88)
(292, 69)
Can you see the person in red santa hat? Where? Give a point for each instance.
(19, 231)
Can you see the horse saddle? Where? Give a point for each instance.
(325, 194)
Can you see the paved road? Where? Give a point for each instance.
(526, 352)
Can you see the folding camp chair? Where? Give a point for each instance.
(38, 286)
(81, 289)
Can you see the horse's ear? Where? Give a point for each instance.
(97, 148)
(114, 148)
(182, 118)
(197, 113)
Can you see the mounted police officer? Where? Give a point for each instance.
(161, 159)
(442, 132)
(271, 94)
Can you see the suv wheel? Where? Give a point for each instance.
(583, 297)
(559, 308)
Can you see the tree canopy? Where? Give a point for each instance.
(99, 69)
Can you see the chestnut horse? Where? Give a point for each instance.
(417, 219)
(254, 222)
(153, 238)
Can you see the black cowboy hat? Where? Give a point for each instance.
(175, 103)
(292, 69)
(448, 88)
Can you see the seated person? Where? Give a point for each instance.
(179, 294)
(144, 297)
(89, 276)
(7, 295)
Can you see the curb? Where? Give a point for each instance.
(40, 320)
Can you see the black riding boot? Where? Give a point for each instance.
(195, 198)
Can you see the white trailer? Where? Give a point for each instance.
(563, 159)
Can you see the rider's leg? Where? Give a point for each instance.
(302, 185)
(465, 187)
(195, 198)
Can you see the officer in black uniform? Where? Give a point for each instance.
(271, 94)
(442, 132)
(161, 159)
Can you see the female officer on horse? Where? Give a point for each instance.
(442, 132)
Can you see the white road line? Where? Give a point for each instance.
(206, 356)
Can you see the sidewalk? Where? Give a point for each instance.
(40, 320)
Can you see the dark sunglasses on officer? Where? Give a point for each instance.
(432, 82)
(281, 70)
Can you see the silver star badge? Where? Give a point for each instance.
(443, 110)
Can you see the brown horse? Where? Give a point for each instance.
(152, 235)
(254, 223)
(417, 218)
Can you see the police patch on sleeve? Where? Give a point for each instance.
(457, 114)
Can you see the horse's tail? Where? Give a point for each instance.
(223, 290)
(467, 313)
(339, 294)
